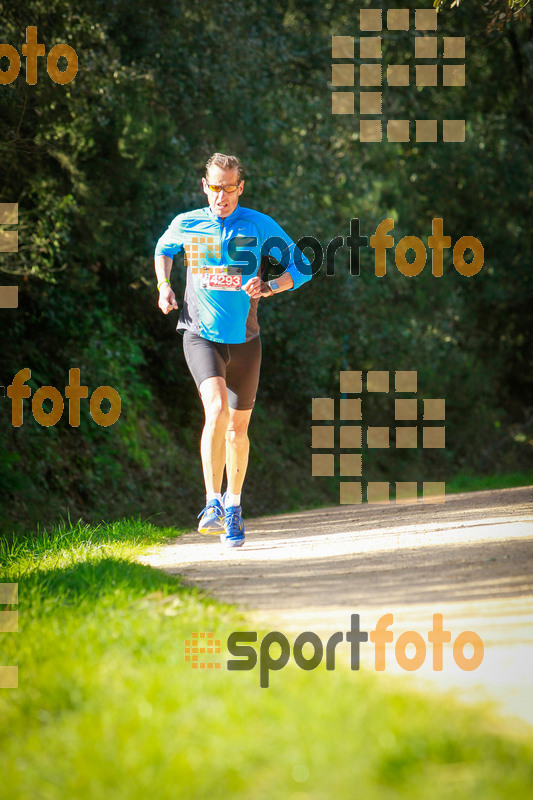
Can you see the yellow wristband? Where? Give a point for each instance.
(159, 285)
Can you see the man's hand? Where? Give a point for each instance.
(255, 288)
(167, 299)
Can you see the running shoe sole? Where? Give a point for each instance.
(212, 527)
(231, 541)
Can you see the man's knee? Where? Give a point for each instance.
(216, 411)
(236, 435)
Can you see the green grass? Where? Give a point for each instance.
(107, 707)
(477, 483)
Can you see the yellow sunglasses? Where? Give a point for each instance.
(230, 187)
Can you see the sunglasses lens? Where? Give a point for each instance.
(229, 188)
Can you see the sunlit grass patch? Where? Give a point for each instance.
(108, 707)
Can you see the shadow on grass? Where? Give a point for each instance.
(107, 577)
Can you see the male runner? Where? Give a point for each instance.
(223, 245)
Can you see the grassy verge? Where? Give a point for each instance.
(478, 483)
(107, 706)
(466, 482)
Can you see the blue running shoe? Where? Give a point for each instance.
(212, 518)
(233, 535)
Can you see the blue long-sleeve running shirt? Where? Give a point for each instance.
(221, 255)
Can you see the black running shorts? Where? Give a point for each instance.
(238, 364)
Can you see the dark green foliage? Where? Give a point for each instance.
(101, 165)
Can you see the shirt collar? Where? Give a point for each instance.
(233, 216)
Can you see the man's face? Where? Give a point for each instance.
(222, 203)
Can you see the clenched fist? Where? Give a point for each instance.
(167, 299)
(255, 288)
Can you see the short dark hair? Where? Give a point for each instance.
(225, 162)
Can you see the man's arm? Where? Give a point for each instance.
(167, 299)
(167, 245)
(297, 266)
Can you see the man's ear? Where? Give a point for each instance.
(241, 188)
(204, 185)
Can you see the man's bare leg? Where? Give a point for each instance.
(237, 449)
(213, 447)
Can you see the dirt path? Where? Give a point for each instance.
(470, 559)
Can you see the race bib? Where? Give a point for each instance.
(225, 279)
